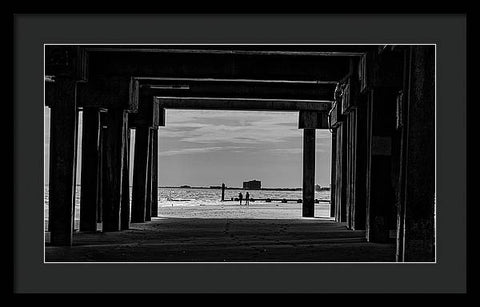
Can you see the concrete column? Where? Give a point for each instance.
(381, 211)
(418, 214)
(308, 190)
(148, 199)
(89, 181)
(347, 166)
(139, 188)
(113, 169)
(351, 168)
(155, 173)
(338, 174)
(360, 167)
(63, 123)
(125, 208)
(101, 141)
(333, 173)
(341, 173)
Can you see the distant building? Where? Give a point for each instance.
(252, 185)
(320, 188)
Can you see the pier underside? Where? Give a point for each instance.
(175, 239)
(377, 101)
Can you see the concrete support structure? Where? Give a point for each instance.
(90, 173)
(102, 145)
(125, 207)
(417, 214)
(63, 136)
(351, 163)
(140, 172)
(113, 169)
(308, 190)
(359, 172)
(155, 172)
(383, 123)
(309, 121)
(341, 171)
(333, 174)
(381, 198)
(148, 198)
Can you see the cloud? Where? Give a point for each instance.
(293, 151)
(289, 151)
(197, 150)
(233, 127)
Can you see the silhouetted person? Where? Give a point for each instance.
(247, 199)
(240, 197)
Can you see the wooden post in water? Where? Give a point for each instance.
(63, 123)
(113, 169)
(223, 191)
(139, 189)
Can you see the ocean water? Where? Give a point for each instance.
(197, 197)
(200, 197)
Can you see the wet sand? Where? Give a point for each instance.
(269, 232)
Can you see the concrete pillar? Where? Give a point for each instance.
(155, 173)
(351, 168)
(341, 174)
(360, 167)
(63, 133)
(89, 181)
(113, 169)
(381, 212)
(101, 141)
(125, 207)
(308, 191)
(338, 183)
(148, 199)
(333, 173)
(139, 188)
(418, 214)
(348, 166)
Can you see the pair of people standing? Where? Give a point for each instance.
(247, 198)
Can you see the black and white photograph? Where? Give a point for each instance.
(240, 153)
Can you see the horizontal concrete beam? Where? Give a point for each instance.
(328, 50)
(175, 79)
(242, 104)
(313, 120)
(108, 93)
(145, 62)
(246, 89)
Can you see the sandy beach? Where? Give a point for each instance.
(232, 210)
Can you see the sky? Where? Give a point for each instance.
(204, 148)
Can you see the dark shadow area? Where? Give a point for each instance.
(225, 240)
